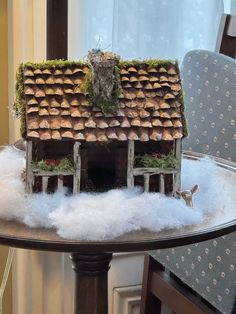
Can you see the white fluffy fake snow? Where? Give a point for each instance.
(107, 215)
(11, 187)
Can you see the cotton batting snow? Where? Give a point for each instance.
(12, 189)
(113, 213)
(94, 216)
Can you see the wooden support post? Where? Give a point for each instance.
(29, 173)
(176, 185)
(91, 273)
(146, 182)
(177, 175)
(130, 164)
(77, 175)
(44, 184)
(162, 183)
(60, 182)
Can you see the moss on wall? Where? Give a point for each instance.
(106, 105)
(19, 105)
(168, 161)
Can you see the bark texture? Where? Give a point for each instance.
(103, 73)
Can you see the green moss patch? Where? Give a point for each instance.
(106, 106)
(64, 165)
(19, 104)
(156, 161)
(52, 64)
(152, 63)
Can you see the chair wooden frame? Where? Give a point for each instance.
(226, 41)
(158, 287)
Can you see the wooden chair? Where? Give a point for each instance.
(159, 287)
(226, 41)
(202, 276)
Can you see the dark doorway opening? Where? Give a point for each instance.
(101, 166)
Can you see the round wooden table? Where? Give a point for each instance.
(91, 259)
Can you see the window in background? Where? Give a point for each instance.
(141, 29)
(228, 6)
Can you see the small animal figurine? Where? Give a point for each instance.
(187, 195)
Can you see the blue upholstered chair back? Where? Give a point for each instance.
(209, 83)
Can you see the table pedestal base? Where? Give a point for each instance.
(91, 282)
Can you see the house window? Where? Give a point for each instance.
(142, 29)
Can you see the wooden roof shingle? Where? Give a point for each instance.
(150, 105)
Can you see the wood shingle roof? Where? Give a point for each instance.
(150, 104)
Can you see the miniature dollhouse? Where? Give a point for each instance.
(101, 124)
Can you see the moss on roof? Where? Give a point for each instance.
(148, 62)
(50, 64)
(19, 105)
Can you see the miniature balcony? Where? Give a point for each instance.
(139, 171)
(43, 173)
